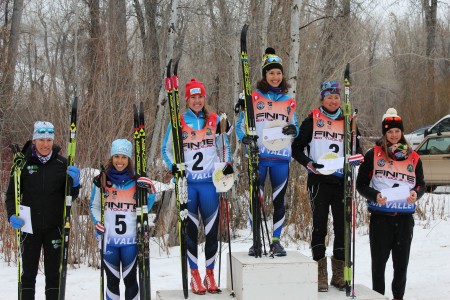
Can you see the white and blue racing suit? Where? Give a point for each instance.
(202, 140)
(272, 107)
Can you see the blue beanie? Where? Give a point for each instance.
(121, 146)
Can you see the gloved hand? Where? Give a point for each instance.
(174, 169)
(312, 166)
(228, 169)
(99, 228)
(74, 172)
(289, 130)
(146, 183)
(246, 140)
(240, 104)
(16, 222)
(356, 160)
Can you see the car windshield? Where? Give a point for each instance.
(444, 125)
(420, 130)
(435, 146)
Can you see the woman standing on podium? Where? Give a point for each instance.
(391, 163)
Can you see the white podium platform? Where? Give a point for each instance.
(172, 295)
(362, 292)
(273, 278)
(291, 277)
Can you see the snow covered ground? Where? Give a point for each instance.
(428, 274)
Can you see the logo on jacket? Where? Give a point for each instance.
(329, 123)
(193, 134)
(288, 109)
(56, 244)
(184, 135)
(320, 123)
(260, 105)
(381, 162)
(31, 169)
(208, 131)
(410, 168)
(292, 104)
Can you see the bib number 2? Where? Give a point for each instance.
(198, 157)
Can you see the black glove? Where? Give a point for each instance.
(228, 169)
(246, 140)
(312, 166)
(97, 181)
(289, 130)
(240, 105)
(174, 169)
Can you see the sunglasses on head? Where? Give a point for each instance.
(330, 85)
(272, 58)
(333, 90)
(393, 119)
(44, 130)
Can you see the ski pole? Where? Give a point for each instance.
(229, 247)
(102, 238)
(16, 169)
(220, 235)
(267, 229)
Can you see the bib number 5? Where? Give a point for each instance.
(120, 226)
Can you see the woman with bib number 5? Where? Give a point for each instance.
(119, 228)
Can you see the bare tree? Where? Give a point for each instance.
(161, 108)
(294, 48)
(8, 68)
(430, 12)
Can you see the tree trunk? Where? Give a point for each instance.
(161, 109)
(7, 83)
(430, 9)
(294, 48)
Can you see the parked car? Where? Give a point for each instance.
(440, 126)
(434, 152)
(414, 138)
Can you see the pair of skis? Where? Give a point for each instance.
(349, 189)
(253, 150)
(171, 84)
(16, 170)
(142, 223)
(71, 149)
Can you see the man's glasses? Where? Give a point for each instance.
(44, 130)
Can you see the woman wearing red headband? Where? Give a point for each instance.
(201, 143)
